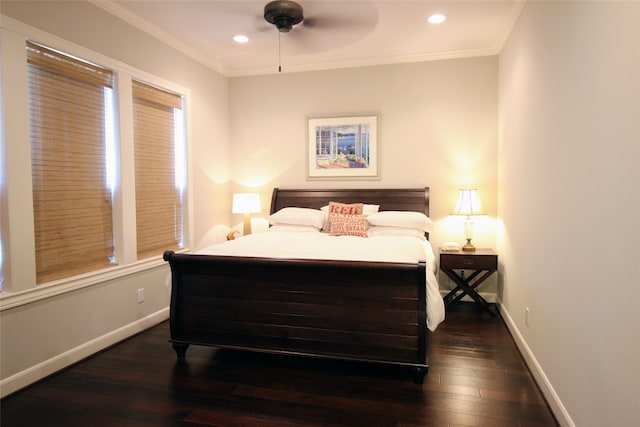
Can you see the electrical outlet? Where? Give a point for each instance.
(140, 295)
(526, 316)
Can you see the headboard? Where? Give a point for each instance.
(389, 199)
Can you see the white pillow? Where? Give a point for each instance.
(294, 228)
(403, 219)
(298, 216)
(374, 231)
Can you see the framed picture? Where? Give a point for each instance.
(343, 147)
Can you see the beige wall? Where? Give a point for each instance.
(437, 128)
(569, 161)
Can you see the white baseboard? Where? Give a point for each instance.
(558, 409)
(35, 373)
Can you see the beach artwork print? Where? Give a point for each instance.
(343, 147)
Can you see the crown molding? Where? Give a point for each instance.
(158, 33)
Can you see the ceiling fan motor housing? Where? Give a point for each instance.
(284, 14)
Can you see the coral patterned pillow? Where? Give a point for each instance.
(348, 225)
(342, 208)
(346, 209)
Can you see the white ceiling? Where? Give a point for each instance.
(337, 34)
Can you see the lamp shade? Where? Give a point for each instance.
(468, 203)
(245, 203)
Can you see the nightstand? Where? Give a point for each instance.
(483, 262)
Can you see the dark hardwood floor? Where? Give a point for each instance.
(476, 378)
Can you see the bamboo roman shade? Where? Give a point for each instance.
(71, 200)
(158, 197)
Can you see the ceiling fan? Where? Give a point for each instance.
(284, 14)
(344, 21)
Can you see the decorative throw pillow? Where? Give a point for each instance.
(366, 209)
(345, 208)
(348, 225)
(341, 208)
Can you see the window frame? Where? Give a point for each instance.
(19, 285)
(72, 210)
(163, 110)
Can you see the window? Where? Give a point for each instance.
(72, 201)
(83, 178)
(158, 136)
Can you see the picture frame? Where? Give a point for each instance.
(343, 147)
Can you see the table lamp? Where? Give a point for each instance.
(246, 203)
(468, 204)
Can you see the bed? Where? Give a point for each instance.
(343, 308)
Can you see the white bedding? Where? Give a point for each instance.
(310, 245)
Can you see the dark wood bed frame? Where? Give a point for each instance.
(345, 310)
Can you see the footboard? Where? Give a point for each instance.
(363, 311)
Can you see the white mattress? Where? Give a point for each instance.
(309, 245)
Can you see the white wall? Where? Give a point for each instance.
(44, 334)
(569, 159)
(437, 128)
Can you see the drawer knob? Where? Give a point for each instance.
(467, 261)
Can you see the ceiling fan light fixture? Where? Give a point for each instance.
(284, 14)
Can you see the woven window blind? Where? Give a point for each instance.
(158, 198)
(71, 202)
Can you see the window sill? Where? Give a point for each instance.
(10, 299)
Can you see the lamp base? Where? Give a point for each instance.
(246, 226)
(468, 247)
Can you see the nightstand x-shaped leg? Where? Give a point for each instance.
(467, 288)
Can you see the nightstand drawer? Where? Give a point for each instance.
(469, 261)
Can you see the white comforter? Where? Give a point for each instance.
(309, 245)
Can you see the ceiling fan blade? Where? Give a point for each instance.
(262, 26)
(320, 35)
(333, 21)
